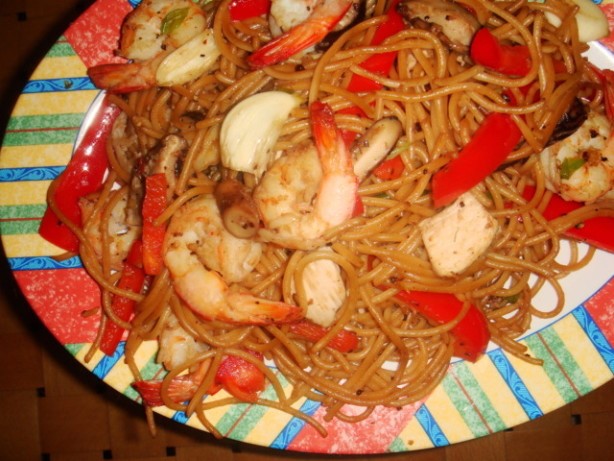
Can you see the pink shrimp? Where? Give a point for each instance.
(310, 189)
(168, 43)
(204, 261)
(125, 77)
(325, 16)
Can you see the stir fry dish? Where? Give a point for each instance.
(334, 199)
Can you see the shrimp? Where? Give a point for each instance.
(325, 15)
(309, 190)
(581, 167)
(205, 260)
(155, 25)
(168, 43)
(286, 14)
(126, 77)
(176, 346)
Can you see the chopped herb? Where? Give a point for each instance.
(512, 299)
(570, 165)
(173, 20)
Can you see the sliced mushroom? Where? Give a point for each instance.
(372, 147)
(167, 160)
(452, 20)
(237, 208)
(569, 123)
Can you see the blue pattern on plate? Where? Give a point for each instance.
(430, 426)
(30, 174)
(515, 383)
(294, 426)
(58, 84)
(180, 417)
(104, 366)
(596, 336)
(43, 263)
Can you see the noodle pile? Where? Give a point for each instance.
(440, 98)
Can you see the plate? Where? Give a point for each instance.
(474, 400)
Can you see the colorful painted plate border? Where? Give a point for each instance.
(473, 400)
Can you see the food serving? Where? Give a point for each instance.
(348, 193)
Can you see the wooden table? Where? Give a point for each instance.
(51, 408)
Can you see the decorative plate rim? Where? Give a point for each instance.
(474, 400)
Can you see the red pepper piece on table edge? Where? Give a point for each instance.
(471, 334)
(598, 231)
(83, 175)
(490, 145)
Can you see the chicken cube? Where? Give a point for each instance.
(457, 236)
(324, 289)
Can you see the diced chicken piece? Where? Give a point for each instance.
(325, 290)
(457, 236)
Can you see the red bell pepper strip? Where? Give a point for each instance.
(598, 232)
(380, 63)
(390, 169)
(245, 9)
(154, 205)
(471, 333)
(607, 84)
(83, 175)
(240, 378)
(359, 207)
(492, 142)
(180, 389)
(344, 341)
(350, 136)
(487, 51)
(132, 279)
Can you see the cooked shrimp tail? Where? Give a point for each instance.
(180, 388)
(122, 77)
(323, 19)
(328, 140)
(207, 294)
(340, 185)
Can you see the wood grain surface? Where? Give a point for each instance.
(51, 408)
